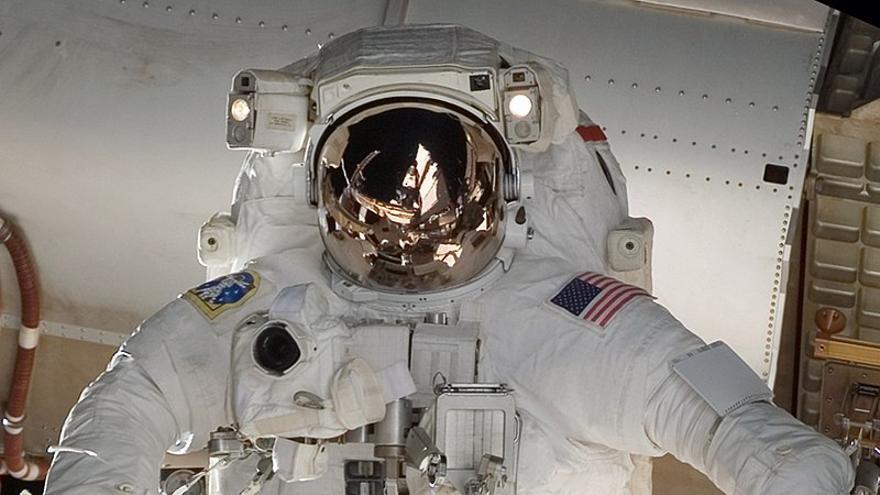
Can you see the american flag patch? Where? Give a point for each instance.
(596, 298)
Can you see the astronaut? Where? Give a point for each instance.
(428, 283)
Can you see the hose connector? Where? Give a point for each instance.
(13, 426)
(5, 231)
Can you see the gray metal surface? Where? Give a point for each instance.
(72, 332)
(113, 136)
(695, 107)
(854, 72)
(842, 248)
(792, 14)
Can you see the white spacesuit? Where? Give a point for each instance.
(456, 289)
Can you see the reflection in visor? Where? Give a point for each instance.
(397, 163)
(410, 197)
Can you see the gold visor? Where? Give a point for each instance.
(411, 196)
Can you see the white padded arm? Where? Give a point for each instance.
(115, 438)
(757, 449)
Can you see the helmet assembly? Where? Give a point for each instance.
(410, 165)
(411, 195)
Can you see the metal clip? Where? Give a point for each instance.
(423, 455)
(472, 388)
(264, 473)
(491, 475)
(198, 477)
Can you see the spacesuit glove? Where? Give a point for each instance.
(757, 449)
(766, 451)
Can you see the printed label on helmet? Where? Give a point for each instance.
(229, 291)
(281, 122)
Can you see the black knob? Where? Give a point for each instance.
(275, 350)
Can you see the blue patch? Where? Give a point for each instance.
(576, 296)
(226, 292)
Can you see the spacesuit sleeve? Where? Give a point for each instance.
(115, 437)
(756, 449)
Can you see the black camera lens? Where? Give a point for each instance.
(275, 350)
